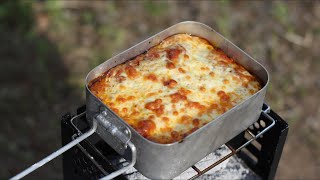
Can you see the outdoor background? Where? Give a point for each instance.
(48, 47)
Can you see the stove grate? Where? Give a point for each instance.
(94, 160)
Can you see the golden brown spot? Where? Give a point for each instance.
(223, 63)
(151, 77)
(170, 65)
(146, 127)
(223, 96)
(181, 70)
(151, 117)
(136, 62)
(211, 74)
(235, 78)
(131, 72)
(202, 89)
(225, 81)
(257, 86)
(118, 72)
(97, 87)
(240, 72)
(170, 83)
(209, 47)
(186, 56)
(175, 135)
(165, 129)
(196, 122)
(195, 105)
(156, 107)
(239, 69)
(122, 87)
(213, 106)
(185, 119)
(115, 110)
(245, 84)
(151, 94)
(120, 79)
(173, 54)
(177, 97)
(121, 99)
(165, 119)
(188, 77)
(135, 113)
(176, 113)
(251, 91)
(184, 91)
(223, 56)
(124, 110)
(152, 55)
(131, 98)
(223, 109)
(111, 73)
(202, 40)
(204, 68)
(225, 101)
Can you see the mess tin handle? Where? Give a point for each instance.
(101, 120)
(122, 135)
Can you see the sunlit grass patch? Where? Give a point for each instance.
(112, 39)
(280, 11)
(223, 20)
(156, 8)
(59, 21)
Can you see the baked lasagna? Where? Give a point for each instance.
(174, 88)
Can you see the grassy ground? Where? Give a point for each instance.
(48, 47)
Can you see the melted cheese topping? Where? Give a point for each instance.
(175, 88)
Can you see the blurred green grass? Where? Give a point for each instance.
(16, 15)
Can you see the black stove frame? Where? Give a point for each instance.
(262, 156)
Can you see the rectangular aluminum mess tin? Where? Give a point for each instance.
(166, 161)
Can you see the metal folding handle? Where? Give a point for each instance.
(266, 108)
(118, 172)
(58, 152)
(254, 137)
(108, 126)
(123, 137)
(101, 118)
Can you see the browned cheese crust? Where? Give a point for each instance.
(175, 88)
